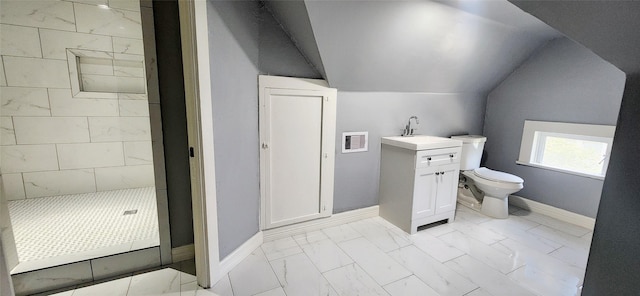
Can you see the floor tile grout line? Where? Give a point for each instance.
(518, 283)
(469, 293)
(413, 273)
(406, 277)
(322, 274)
(553, 227)
(550, 239)
(474, 257)
(560, 247)
(347, 240)
(468, 254)
(386, 253)
(424, 253)
(230, 285)
(356, 262)
(129, 285)
(281, 285)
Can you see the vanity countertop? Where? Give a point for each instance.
(421, 142)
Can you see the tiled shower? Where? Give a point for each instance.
(74, 110)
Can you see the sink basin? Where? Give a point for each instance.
(421, 142)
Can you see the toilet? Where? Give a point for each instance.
(480, 188)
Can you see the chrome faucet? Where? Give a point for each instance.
(408, 131)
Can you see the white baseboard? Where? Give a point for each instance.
(557, 213)
(334, 220)
(233, 259)
(183, 253)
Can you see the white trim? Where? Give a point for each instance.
(267, 86)
(183, 253)
(334, 220)
(535, 165)
(553, 212)
(239, 254)
(195, 49)
(534, 134)
(292, 83)
(531, 126)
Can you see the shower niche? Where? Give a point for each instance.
(99, 74)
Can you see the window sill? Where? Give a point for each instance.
(560, 170)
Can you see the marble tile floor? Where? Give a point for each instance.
(526, 254)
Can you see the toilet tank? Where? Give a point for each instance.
(472, 147)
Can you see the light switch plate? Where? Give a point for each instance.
(355, 142)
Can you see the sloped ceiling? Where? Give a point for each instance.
(413, 46)
(292, 15)
(608, 28)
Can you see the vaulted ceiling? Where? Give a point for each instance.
(608, 28)
(412, 46)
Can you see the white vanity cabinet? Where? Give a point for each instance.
(418, 187)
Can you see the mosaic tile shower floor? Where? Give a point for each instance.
(87, 225)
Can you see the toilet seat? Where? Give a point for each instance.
(497, 176)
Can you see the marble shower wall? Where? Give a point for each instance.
(52, 142)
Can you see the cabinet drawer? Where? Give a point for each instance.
(435, 157)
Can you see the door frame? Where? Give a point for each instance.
(155, 119)
(197, 79)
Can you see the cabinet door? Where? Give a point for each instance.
(447, 188)
(424, 193)
(297, 131)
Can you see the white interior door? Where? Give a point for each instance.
(297, 131)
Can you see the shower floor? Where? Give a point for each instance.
(62, 229)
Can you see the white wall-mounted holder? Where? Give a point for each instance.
(100, 74)
(355, 142)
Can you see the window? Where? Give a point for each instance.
(580, 149)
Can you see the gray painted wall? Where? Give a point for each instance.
(385, 114)
(244, 41)
(233, 45)
(563, 82)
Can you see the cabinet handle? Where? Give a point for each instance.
(451, 155)
(441, 173)
(437, 173)
(429, 158)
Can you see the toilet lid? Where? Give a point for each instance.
(492, 175)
